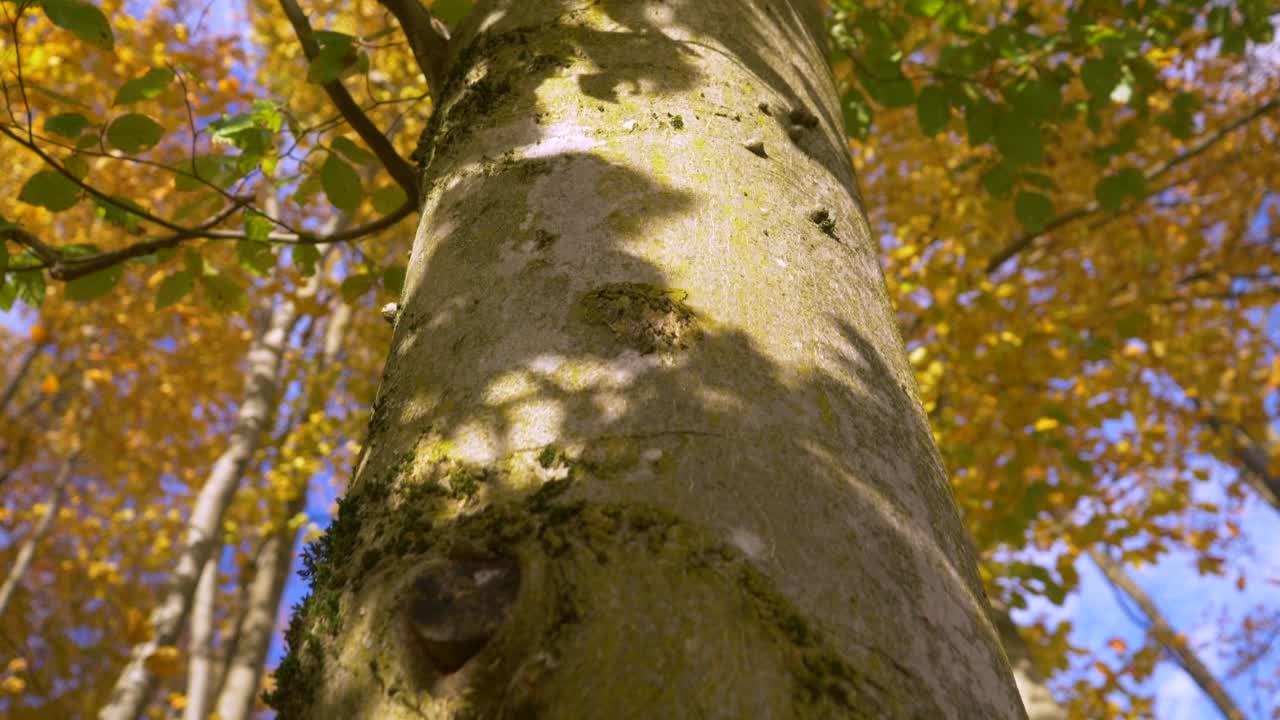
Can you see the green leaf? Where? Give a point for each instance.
(117, 212)
(341, 183)
(29, 286)
(77, 166)
(307, 189)
(8, 293)
(393, 279)
(1112, 191)
(81, 18)
(256, 257)
(1019, 140)
(998, 180)
(144, 88)
(352, 151)
(173, 288)
(1101, 76)
(223, 293)
(193, 262)
(338, 54)
(305, 258)
(858, 114)
(95, 285)
(933, 110)
(387, 200)
(257, 227)
(356, 285)
(888, 87)
(1035, 99)
(68, 125)
(925, 8)
(133, 133)
(1033, 210)
(980, 121)
(50, 190)
(4, 249)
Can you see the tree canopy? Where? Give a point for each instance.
(1076, 205)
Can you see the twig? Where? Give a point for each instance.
(1025, 240)
(428, 38)
(399, 168)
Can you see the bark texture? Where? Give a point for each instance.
(200, 662)
(1165, 634)
(647, 444)
(133, 687)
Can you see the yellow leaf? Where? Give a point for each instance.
(17, 665)
(165, 661)
(1117, 644)
(39, 335)
(177, 700)
(13, 685)
(1045, 424)
(50, 384)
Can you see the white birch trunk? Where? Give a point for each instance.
(27, 553)
(200, 662)
(647, 444)
(239, 693)
(133, 687)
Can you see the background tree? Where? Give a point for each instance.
(1076, 216)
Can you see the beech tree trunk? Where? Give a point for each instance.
(27, 553)
(134, 685)
(647, 444)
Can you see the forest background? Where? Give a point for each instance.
(1077, 210)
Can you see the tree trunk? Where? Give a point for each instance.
(1167, 636)
(647, 444)
(239, 693)
(19, 373)
(133, 687)
(200, 660)
(27, 553)
(1037, 698)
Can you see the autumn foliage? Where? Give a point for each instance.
(1076, 204)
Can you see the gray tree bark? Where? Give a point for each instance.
(647, 444)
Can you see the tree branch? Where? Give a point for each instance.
(66, 269)
(1025, 240)
(427, 36)
(399, 168)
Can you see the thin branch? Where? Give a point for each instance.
(428, 38)
(66, 269)
(1025, 240)
(399, 168)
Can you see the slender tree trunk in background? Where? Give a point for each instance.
(27, 553)
(239, 693)
(200, 662)
(1037, 698)
(133, 687)
(15, 381)
(647, 444)
(1165, 634)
